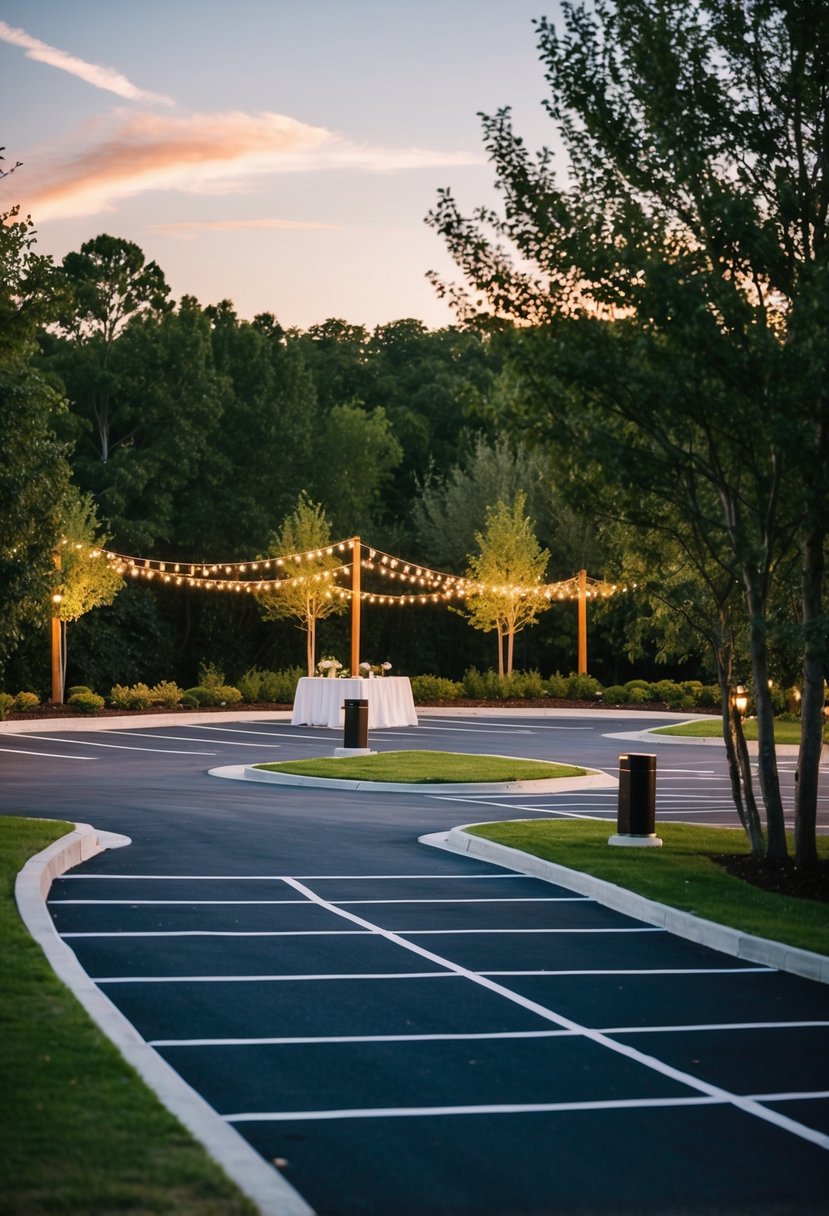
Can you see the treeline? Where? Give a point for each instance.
(193, 432)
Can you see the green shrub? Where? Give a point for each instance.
(6, 703)
(616, 694)
(199, 695)
(250, 685)
(638, 696)
(213, 695)
(644, 684)
(582, 687)
(709, 696)
(210, 676)
(86, 702)
(474, 684)
(136, 696)
(435, 688)
(76, 688)
(557, 686)
(25, 701)
(528, 684)
(166, 693)
(189, 702)
(276, 686)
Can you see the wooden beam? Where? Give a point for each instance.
(356, 558)
(582, 649)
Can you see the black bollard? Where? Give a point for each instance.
(355, 734)
(636, 813)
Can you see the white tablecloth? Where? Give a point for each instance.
(319, 701)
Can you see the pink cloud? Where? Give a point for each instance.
(214, 153)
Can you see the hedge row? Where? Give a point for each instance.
(278, 687)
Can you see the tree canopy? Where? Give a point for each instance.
(669, 289)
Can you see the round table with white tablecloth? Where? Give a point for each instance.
(319, 701)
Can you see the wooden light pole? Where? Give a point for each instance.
(582, 646)
(57, 658)
(356, 555)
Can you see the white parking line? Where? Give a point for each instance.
(691, 1027)
(306, 1040)
(187, 903)
(222, 933)
(22, 751)
(123, 747)
(713, 1092)
(145, 734)
(274, 979)
(506, 1108)
(303, 977)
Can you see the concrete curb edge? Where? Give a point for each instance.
(562, 785)
(271, 1193)
(804, 963)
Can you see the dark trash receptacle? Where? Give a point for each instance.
(356, 722)
(637, 795)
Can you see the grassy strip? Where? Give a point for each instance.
(81, 1133)
(417, 767)
(711, 728)
(680, 874)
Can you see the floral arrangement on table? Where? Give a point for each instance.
(374, 669)
(329, 666)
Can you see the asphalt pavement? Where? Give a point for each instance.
(404, 1031)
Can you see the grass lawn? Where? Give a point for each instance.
(81, 1133)
(784, 732)
(680, 874)
(425, 767)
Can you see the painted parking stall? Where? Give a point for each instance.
(456, 1011)
(405, 1030)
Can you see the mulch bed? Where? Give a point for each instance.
(779, 877)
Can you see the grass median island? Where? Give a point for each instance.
(424, 768)
(711, 728)
(681, 874)
(81, 1133)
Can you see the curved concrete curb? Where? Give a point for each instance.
(259, 1181)
(652, 735)
(684, 924)
(244, 772)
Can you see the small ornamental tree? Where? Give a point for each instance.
(307, 592)
(85, 578)
(509, 567)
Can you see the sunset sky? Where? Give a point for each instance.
(279, 153)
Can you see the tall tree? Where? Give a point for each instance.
(674, 287)
(308, 592)
(85, 578)
(110, 283)
(509, 565)
(34, 471)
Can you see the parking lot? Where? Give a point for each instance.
(402, 1030)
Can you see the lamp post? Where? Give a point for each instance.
(740, 700)
(57, 658)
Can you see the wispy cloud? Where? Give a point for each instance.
(93, 73)
(215, 153)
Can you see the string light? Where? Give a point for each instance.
(427, 585)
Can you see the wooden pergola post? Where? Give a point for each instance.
(57, 662)
(356, 556)
(582, 646)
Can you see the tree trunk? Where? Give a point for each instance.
(776, 847)
(500, 651)
(811, 707)
(310, 644)
(510, 651)
(739, 765)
